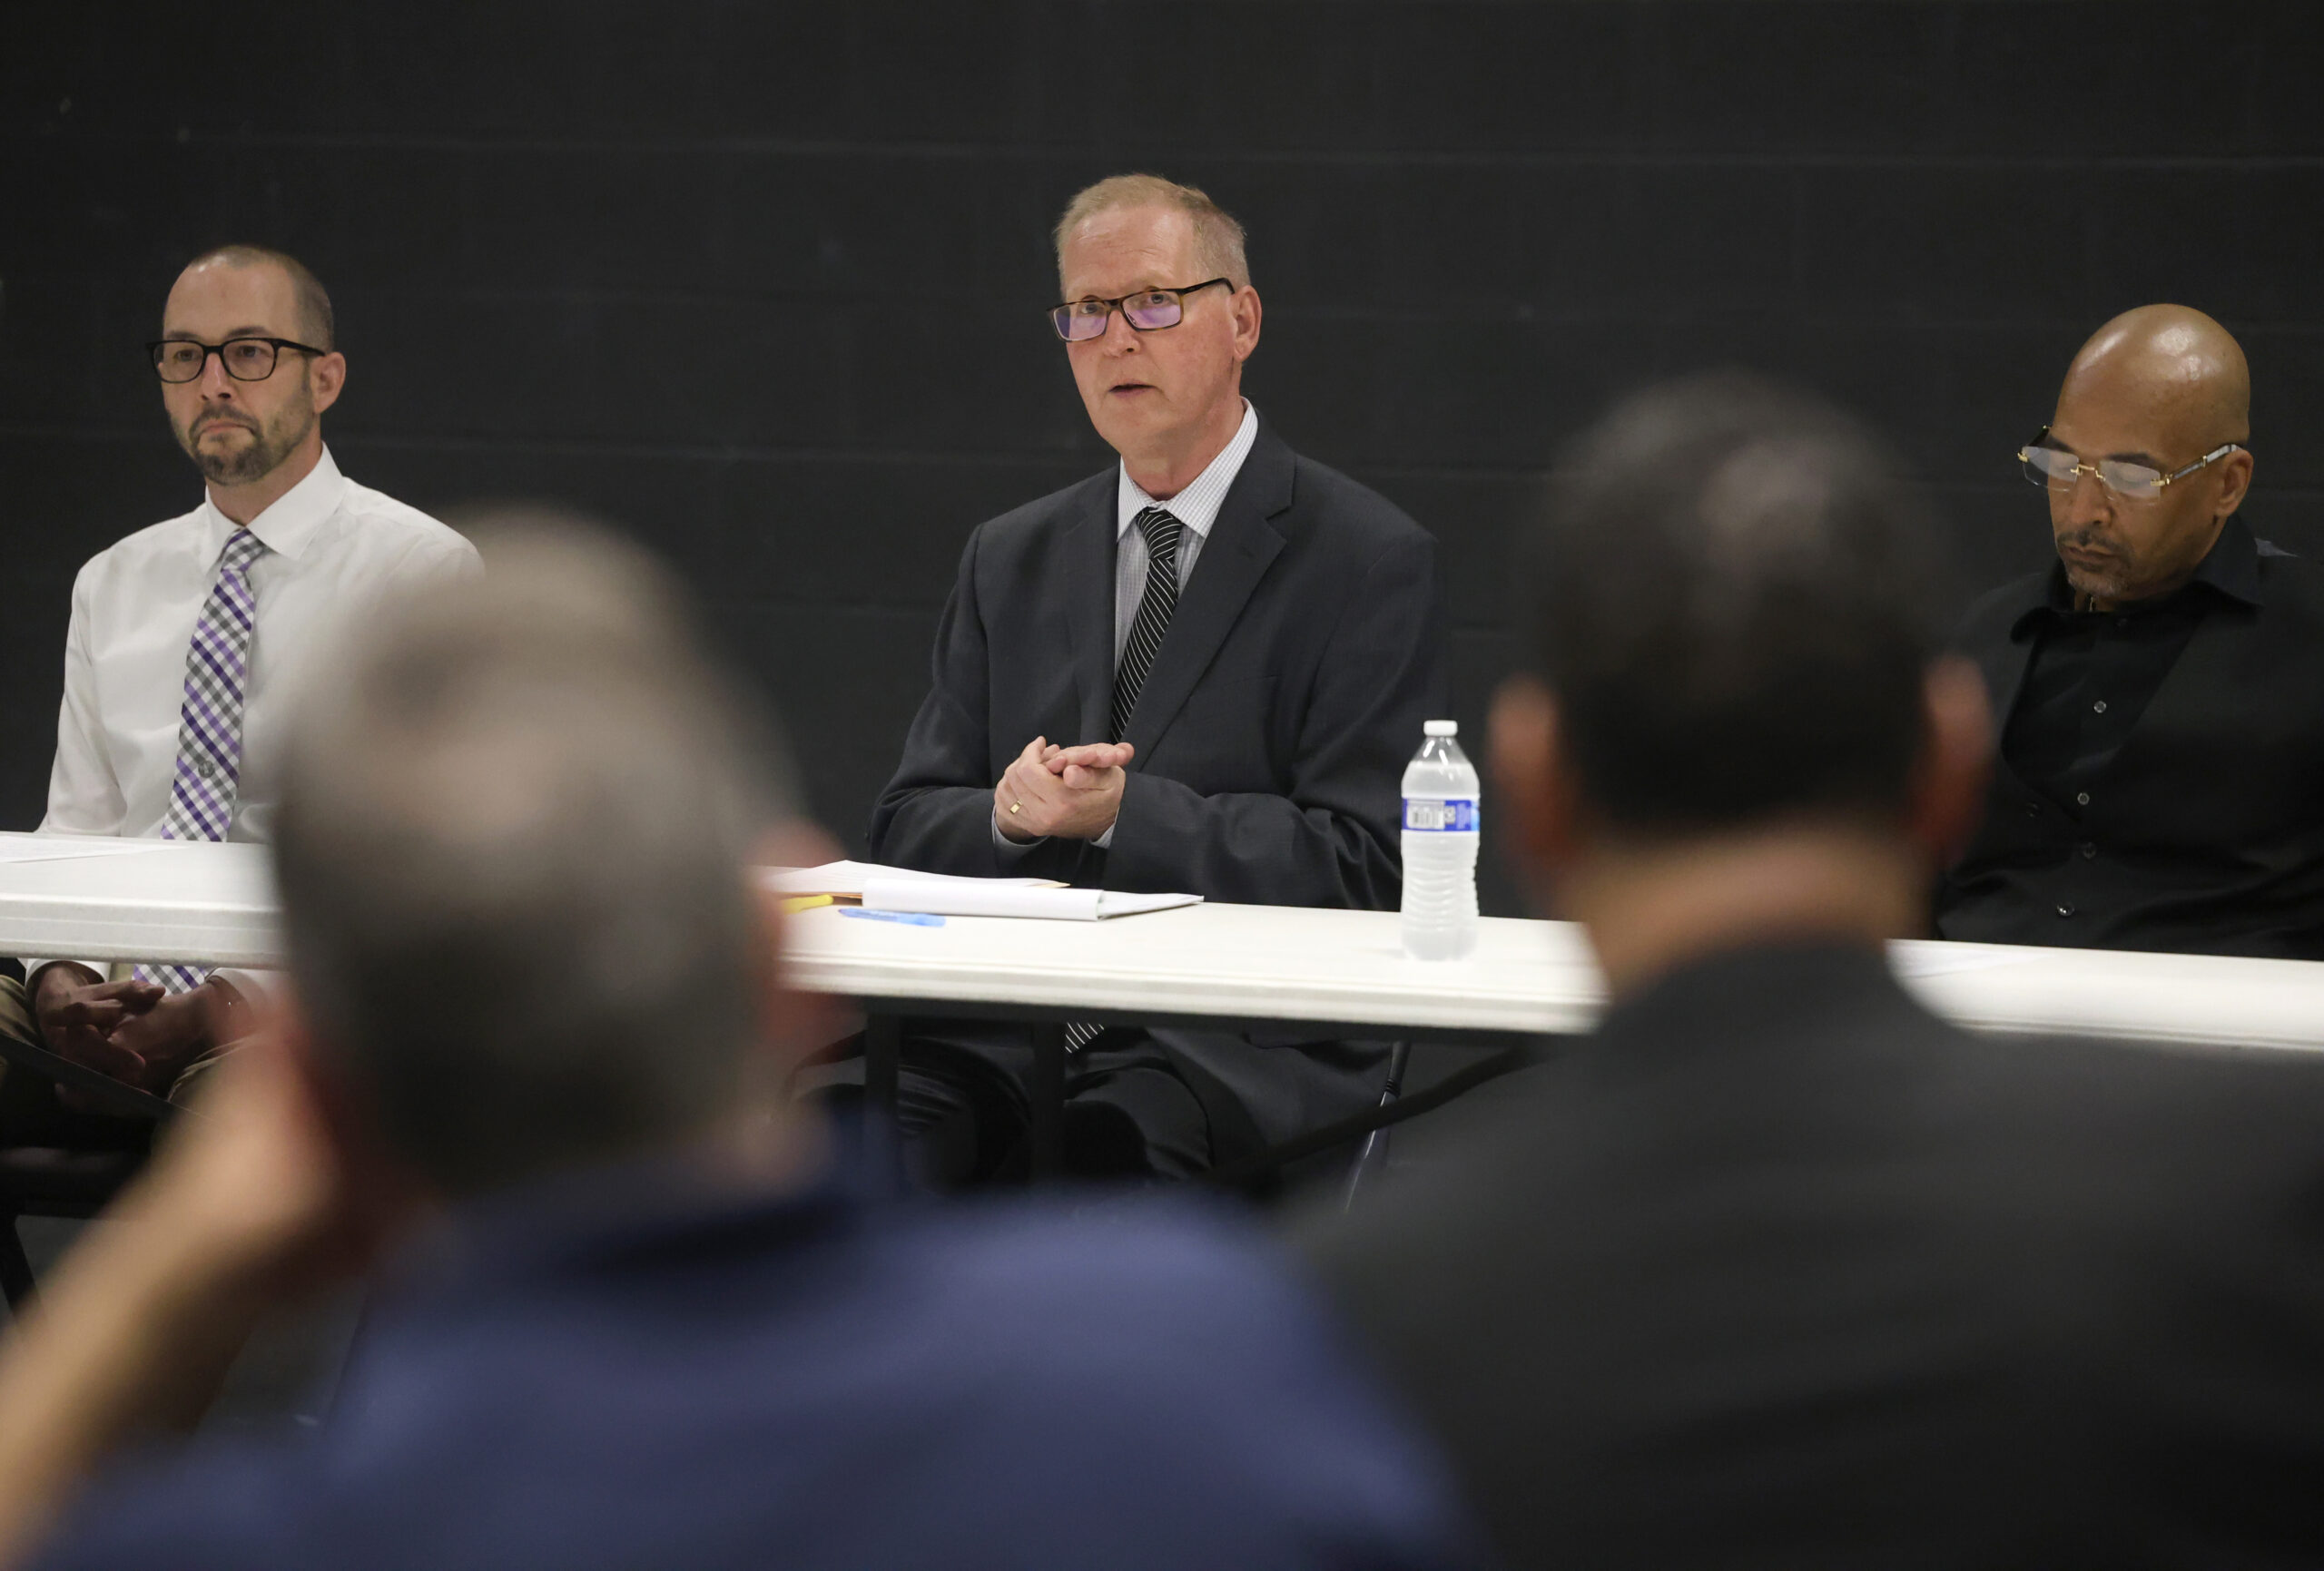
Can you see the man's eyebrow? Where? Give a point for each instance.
(244, 332)
(2148, 459)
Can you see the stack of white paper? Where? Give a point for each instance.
(1010, 898)
(848, 879)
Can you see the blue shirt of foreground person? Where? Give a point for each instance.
(632, 1317)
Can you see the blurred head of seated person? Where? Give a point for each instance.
(1777, 1267)
(631, 1309)
(185, 640)
(2159, 688)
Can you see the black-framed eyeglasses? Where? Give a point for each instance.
(245, 359)
(1147, 310)
(2055, 469)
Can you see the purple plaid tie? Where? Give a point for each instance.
(210, 722)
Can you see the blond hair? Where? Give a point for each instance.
(1218, 238)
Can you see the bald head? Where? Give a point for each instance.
(2163, 388)
(316, 323)
(2174, 365)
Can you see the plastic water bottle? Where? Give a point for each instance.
(1439, 848)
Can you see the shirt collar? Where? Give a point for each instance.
(1765, 997)
(2230, 568)
(660, 1204)
(1196, 506)
(286, 527)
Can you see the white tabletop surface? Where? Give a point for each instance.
(215, 904)
(1348, 966)
(111, 899)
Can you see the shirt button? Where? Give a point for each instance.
(2089, 851)
(2081, 799)
(2066, 908)
(2098, 708)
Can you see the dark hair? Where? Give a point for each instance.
(320, 327)
(1731, 592)
(516, 814)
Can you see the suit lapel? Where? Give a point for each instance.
(1243, 542)
(1090, 611)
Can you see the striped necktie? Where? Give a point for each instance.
(1155, 606)
(208, 781)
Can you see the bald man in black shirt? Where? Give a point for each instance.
(2160, 689)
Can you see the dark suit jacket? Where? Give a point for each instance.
(1272, 733)
(1780, 1269)
(2205, 834)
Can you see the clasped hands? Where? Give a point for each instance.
(134, 1031)
(1071, 792)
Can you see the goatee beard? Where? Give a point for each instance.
(254, 462)
(237, 469)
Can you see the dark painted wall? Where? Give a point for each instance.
(764, 282)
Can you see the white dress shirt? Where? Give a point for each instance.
(330, 544)
(1196, 509)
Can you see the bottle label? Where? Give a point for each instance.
(1451, 815)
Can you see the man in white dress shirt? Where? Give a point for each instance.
(186, 637)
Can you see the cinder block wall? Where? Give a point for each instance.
(764, 282)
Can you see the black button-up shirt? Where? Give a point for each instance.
(2092, 674)
(2161, 782)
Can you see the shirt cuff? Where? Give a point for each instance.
(1006, 846)
(1105, 841)
(33, 968)
(257, 987)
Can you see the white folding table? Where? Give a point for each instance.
(1226, 967)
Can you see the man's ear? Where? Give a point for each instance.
(1956, 763)
(1247, 313)
(326, 379)
(791, 1023)
(383, 1193)
(282, 1015)
(1534, 794)
(2234, 481)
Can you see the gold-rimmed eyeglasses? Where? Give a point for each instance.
(2055, 469)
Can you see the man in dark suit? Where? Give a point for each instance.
(2160, 687)
(1203, 671)
(1776, 1267)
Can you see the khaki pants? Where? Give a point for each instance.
(30, 1113)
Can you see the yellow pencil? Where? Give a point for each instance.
(804, 903)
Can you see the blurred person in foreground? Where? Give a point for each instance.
(632, 1315)
(1776, 1268)
(1202, 670)
(185, 642)
(2160, 687)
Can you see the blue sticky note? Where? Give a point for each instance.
(911, 918)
